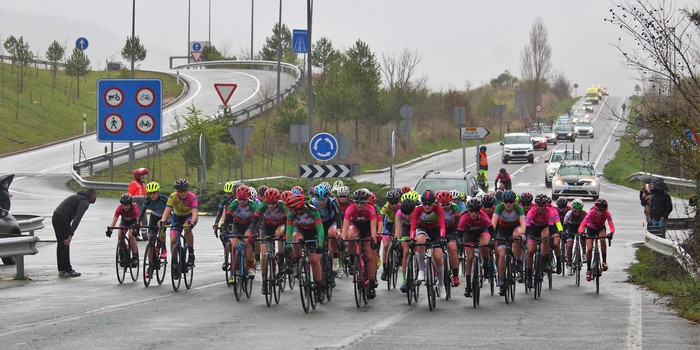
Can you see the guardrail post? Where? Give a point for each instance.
(20, 267)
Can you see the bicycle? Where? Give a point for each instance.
(561, 259)
(537, 268)
(124, 256)
(462, 257)
(577, 263)
(412, 283)
(596, 265)
(359, 273)
(510, 271)
(270, 270)
(306, 285)
(153, 262)
(477, 274)
(327, 268)
(179, 264)
(431, 283)
(392, 265)
(242, 282)
(447, 273)
(490, 272)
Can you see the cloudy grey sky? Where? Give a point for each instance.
(460, 41)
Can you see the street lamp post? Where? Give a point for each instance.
(252, 18)
(189, 7)
(279, 52)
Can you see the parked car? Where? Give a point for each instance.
(576, 178)
(517, 146)
(539, 141)
(565, 132)
(555, 158)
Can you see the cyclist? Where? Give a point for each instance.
(273, 213)
(457, 199)
(538, 221)
(183, 205)
(473, 227)
(304, 223)
(428, 222)
(327, 207)
(488, 201)
(261, 193)
(525, 200)
(372, 200)
(388, 213)
(129, 212)
(452, 215)
(360, 221)
(137, 189)
(240, 216)
(572, 220)
(594, 224)
(156, 202)
(508, 221)
(555, 229)
(285, 195)
(562, 207)
(401, 231)
(405, 189)
(344, 201)
(297, 190)
(223, 205)
(503, 180)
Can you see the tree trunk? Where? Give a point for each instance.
(78, 94)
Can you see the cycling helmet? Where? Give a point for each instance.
(508, 196)
(405, 189)
(407, 206)
(181, 185)
(541, 199)
(474, 204)
(295, 202)
(499, 196)
(488, 200)
(152, 187)
(372, 199)
(454, 194)
(338, 183)
(271, 195)
(577, 204)
(343, 191)
(525, 198)
(463, 196)
(321, 192)
(285, 195)
(428, 197)
(361, 195)
(126, 199)
(549, 200)
(253, 193)
(325, 185)
(502, 170)
(406, 197)
(561, 202)
(443, 197)
(138, 173)
(298, 190)
(228, 187)
(243, 192)
(601, 204)
(262, 189)
(393, 196)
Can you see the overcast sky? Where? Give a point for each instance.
(461, 42)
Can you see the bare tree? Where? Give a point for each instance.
(536, 62)
(399, 73)
(225, 48)
(561, 87)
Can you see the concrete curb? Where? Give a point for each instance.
(423, 157)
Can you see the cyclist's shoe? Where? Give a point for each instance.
(231, 281)
(558, 269)
(375, 284)
(467, 291)
(383, 277)
(338, 274)
(404, 288)
(264, 288)
(440, 289)
(137, 237)
(570, 270)
(528, 278)
(320, 294)
(421, 276)
(371, 293)
(190, 260)
(224, 266)
(605, 266)
(589, 276)
(502, 290)
(146, 274)
(163, 254)
(251, 273)
(455, 281)
(520, 278)
(135, 261)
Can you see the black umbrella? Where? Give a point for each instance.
(8, 178)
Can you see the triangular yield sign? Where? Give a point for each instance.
(225, 91)
(196, 55)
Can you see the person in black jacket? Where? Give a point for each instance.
(660, 206)
(65, 221)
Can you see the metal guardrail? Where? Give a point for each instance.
(19, 246)
(670, 247)
(168, 140)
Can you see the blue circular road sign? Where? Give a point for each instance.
(323, 146)
(81, 43)
(196, 46)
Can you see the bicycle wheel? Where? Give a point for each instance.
(313, 287)
(268, 283)
(188, 273)
(227, 262)
(275, 280)
(290, 272)
(507, 275)
(410, 278)
(549, 270)
(430, 283)
(389, 266)
(462, 262)
(562, 249)
(148, 263)
(248, 285)
(537, 271)
(476, 280)
(492, 274)
(281, 273)
(596, 271)
(304, 288)
(120, 261)
(162, 265)
(447, 276)
(133, 270)
(365, 280)
(398, 256)
(175, 269)
(357, 283)
(576, 264)
(330, 279)
(237, 276)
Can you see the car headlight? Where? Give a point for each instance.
(552, 170)
(558, 181)
(594, 183)
(569, 134)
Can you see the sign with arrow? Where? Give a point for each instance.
(323, 146)
(324, 170)
(225, 91)
(473, 133)
(82, 43)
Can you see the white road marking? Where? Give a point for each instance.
(634, 332)
(371, 330)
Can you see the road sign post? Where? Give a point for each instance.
(241, 135)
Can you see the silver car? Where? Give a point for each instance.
(555, 158)
(576, 178)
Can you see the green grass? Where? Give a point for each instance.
(42, 114)
(665, 276)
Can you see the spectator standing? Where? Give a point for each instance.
(65, 221)
(660, 206)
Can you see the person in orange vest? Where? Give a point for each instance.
(482, 177)
(137, 189)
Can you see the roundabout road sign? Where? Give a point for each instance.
(323, 146)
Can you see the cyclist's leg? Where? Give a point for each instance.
(603, 248)
(371, 258)
(420, 250)
(516, 246)
(296, 237)
(454, 257)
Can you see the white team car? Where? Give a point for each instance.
(584, 127)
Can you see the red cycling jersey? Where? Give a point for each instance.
(481, 223)
(428, 220)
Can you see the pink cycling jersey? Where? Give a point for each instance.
(481, 223)
(596, 221)
(535, 217)
(355, 215)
